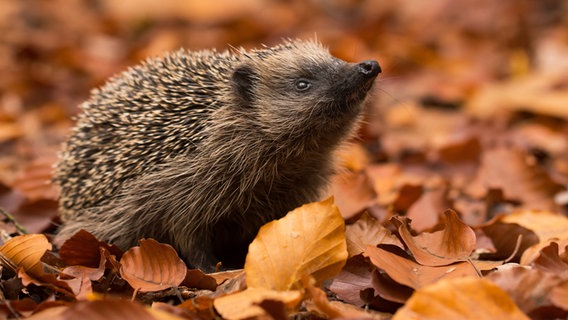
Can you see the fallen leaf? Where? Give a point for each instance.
(425, 211)
(505, 238)
(461, 298)
(531, 253)
(530, 288)
(355, 276)
(352, 192)
(99, 310)
(309, 240)
(26, 251)
(455, 242)
(546, 224)
(83, 249)
(244, 304)
(367, 231)
(337, 309)
(195, 278)
(549, 261)
(509, 170)
(34, 180)
(409, 273)
(152, 266)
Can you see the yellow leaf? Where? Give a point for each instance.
(460, 298)
(245, 304)
(26, 251)
(152, 266)
(309, 240)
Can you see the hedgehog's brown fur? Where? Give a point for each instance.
(199, 149)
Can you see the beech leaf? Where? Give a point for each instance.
(309, 240)
(462, 298)
(454, 243)
(152, 266)
(412, 274)
(367, 231)
(245, 304)
(25, 251)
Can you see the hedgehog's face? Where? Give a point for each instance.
(303, 88)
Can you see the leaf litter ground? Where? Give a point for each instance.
(454, 195)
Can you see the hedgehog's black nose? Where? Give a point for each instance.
(369, 68)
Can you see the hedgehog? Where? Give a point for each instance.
(199, 149)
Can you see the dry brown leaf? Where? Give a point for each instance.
(508, 169)
(453, 243)
(550, 261)
(25, 251)
(309, 240)
(201, 306)
(531, 289)
(69, 287)
(559, 295)
(534, 92)
(152, 266)
(355, 276)
(353, 192)
(34, 180)
(367, 231)
(244, 304)
(102, 310)
(195, 278)
(336, 309)
(505, 238)
(425, 212)
(83, 249)
(462, 298)
(531, 253)
(547, 225)
(412, 274)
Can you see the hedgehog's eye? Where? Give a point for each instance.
(303, 85)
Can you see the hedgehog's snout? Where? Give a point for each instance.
(369, 68)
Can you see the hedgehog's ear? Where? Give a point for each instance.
(242, 82)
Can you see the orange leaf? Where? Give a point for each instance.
(152, 266)
(245, 304)
(83, 249)
(26, 251)
(353, 192)
(367, 231)
(463, 298)
(454, 243)
(545, 224)
(412, 274)
(100, 310)
(309, 240)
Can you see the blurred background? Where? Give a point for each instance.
(436, 52)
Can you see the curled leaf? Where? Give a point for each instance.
(25, 251)
(152, 266)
